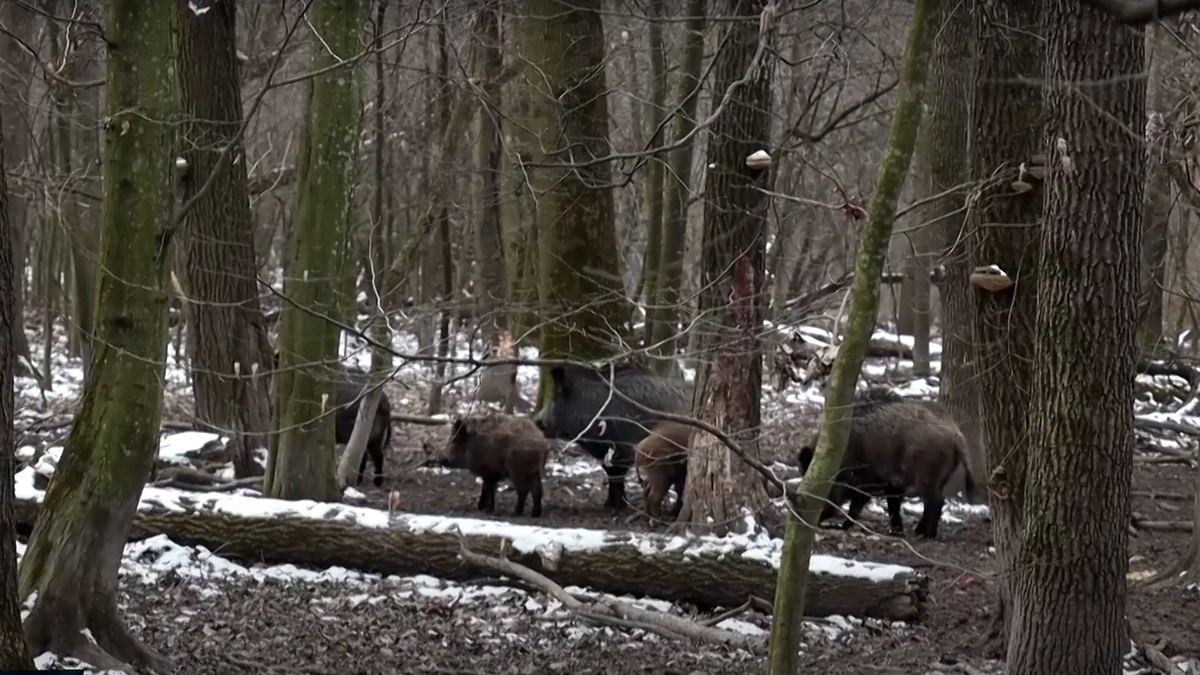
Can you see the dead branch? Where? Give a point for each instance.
(1141, 12)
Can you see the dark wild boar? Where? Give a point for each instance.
(577, 410)
(895, 448)
(661, 460)
(499, 447)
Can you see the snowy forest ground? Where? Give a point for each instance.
(209, 614)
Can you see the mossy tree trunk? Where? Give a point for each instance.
(582, 308)
(14, 93)
(230, 354)
(721, 489)
(76, 545)
(1006, 131)
(14, 649)
(653, 186)
(890, 177)
(302, 466)
(663, 316)
(942, 159)
(1069, 596)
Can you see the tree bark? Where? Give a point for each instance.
(75, 548)
(720, 489)
(581, 291)
(227, 337)
(795, 576)
(303, 466)
(1157, 216)
(1006, 123)
(14, 93)
(706, 572)
(14, 648)
(663, 315)
(942, 159)
(654, 163)
(1069, 597)
(496, 383)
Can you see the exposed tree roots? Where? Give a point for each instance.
(62, 626)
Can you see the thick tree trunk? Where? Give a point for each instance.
(795, 569)
(1006, 123)
(14, 94)
(1069, 596)
(497, 383)
(721, 490)
(14, 649)
(227, 337)
(582, 295)
(75, 548)
(942, 160)
(663, 316)
(654, 164)
(303, 465)
(706, 572)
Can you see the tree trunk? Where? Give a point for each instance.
(706, 572)
(497, 383)
(721, 489)
(1006, 128)
(75, 548)
(581, 291)
(795, 575)
(303, 467)
(1069, 596)
(227, 337)
(14, 94)
(664, 311)
(379, 282)
(942, 160)
(14, 649)
(1157, 216)
(654, 163)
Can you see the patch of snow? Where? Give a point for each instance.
(177, 448)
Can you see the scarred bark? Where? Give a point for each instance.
(1006, 121)
(227, 336)
(75, 548)
(720, 488)
(1069, 596)
(14, 649)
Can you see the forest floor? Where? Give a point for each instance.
(213, 615)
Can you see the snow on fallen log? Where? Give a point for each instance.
(704, 570)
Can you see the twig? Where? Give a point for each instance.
(1163, 525)
(1166, 496)
(727, 614)
(223, 487)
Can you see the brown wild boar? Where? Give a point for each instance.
(895, 447)
(499, 447)
(661, 461)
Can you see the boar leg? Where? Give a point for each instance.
(616, 486)
(536, 489)
(857, 501)
(655, 493)
(487, 496)
(894, 500)
(928, 526)
(680, 484)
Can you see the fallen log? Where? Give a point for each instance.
(705, 571)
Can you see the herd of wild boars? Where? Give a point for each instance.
(895, 447)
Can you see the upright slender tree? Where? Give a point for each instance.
(654, 166)
(76, 545)
(1069, 597)
(302, 466)
(583, 309)
(14, 648)
(227, 336)
(890, 176)
(1006, 123)
(720, 488)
